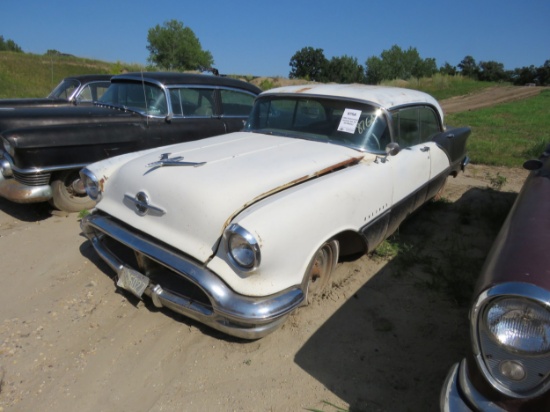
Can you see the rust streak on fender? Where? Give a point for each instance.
(341, 165)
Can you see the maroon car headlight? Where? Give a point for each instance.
(511, 336)
(520, 325)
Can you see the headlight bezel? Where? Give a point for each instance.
(91, 184)
(236, 235)
(494, 358)
(7, 147)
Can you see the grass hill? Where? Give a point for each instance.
(33, 75)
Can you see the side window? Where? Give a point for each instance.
(429, 124)
(85, 94)
(236, 103)
(192, 102)
(406, 126)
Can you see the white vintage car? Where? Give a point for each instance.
(237, 231)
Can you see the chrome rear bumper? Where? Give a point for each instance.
(237, 315)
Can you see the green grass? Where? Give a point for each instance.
(33, 75)
(443, 86)
(509, 133)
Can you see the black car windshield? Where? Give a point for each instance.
(354, 124)
(140, 97)
(65, 89)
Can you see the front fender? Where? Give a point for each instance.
(291, 225)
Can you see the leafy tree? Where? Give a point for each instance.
(374, 70)
(448, 69)
(175, 47)
(468, 67)
(9, 45)
(344, 69)
(492, 71)
(308, 63)
(525, 75)
(424, 67)
(543, 74)
(396, 63)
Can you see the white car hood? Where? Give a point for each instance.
(195, 204)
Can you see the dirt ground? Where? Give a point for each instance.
(383, 339)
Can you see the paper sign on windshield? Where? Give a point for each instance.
(349, 120)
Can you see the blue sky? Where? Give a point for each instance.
(260, 37)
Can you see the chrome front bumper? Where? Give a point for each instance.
(459, 395)
(237, 315)
(17, 192)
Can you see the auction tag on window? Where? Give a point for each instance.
(349, 120)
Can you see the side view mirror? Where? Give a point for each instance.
(392, 149)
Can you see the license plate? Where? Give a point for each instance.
(132, 281)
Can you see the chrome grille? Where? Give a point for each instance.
(39, 179)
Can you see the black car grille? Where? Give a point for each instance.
(32, 180)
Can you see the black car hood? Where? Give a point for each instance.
(26, 117)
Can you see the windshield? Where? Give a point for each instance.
(141, 97)
(357, 125)
(65, 89)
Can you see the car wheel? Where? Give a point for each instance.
(320, 269)
(69, 194)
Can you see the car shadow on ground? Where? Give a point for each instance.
(390, 346)
(26, 212)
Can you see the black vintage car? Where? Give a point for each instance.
(43, 149)
(74, 90)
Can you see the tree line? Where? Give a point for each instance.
(311, 64)
(175, 47)
(9, 45)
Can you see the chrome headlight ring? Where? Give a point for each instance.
(8, 148)
(242, 248)
(511, 338)
(92, 185)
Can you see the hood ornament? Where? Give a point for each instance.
(165, 160)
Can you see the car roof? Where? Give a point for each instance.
(384, 96)
(85, 78)
(170, 78)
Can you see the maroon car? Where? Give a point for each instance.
(508, 367)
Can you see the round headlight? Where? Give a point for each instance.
(242, 248)
(520, 325)
(91, 184)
